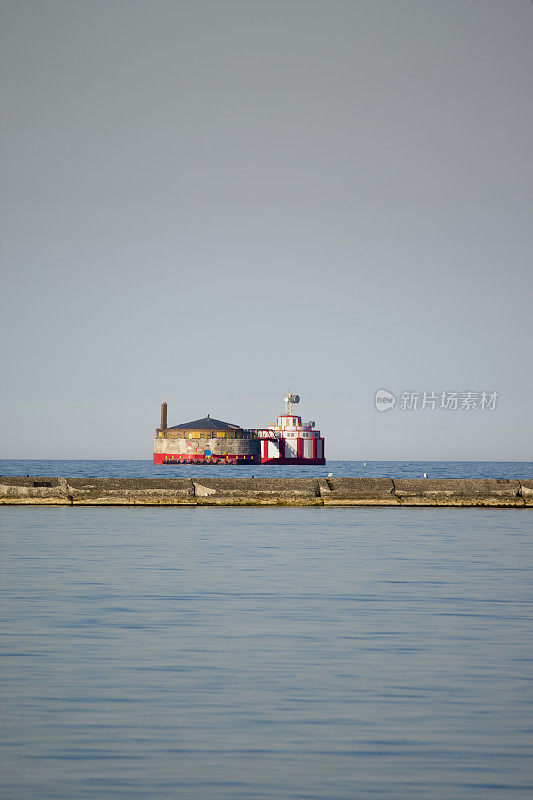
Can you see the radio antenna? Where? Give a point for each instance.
(289, 399)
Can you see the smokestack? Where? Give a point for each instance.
(163, 416)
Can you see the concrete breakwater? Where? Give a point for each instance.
(485, 492)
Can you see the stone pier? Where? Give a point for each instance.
(461, 492)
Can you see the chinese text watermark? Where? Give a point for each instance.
(447, 401)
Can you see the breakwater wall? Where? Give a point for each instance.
(488, 493)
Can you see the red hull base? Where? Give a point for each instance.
(168, 458)
(288, 461)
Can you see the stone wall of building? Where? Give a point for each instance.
(190, 447)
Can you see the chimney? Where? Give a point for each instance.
(163, 416)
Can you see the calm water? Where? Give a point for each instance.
(369, 469)
(226, 654)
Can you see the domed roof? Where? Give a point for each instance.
(206, 423)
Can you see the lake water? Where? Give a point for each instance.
(340, 469)
(261, 654)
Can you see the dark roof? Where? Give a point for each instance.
(206, 424)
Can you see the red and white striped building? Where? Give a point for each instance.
(289, 441)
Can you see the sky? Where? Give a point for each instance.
(209, 202)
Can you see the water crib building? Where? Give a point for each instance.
(212, 441)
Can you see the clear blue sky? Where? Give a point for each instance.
(209, 202)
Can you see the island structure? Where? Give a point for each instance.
(211, 441)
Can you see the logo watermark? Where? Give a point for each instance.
(445, 401)
(384, 400)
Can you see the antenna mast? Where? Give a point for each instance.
(289, 399)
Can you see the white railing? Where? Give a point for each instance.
(266, 433)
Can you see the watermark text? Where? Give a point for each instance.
(432, 401)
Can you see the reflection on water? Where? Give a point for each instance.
(204, 653)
